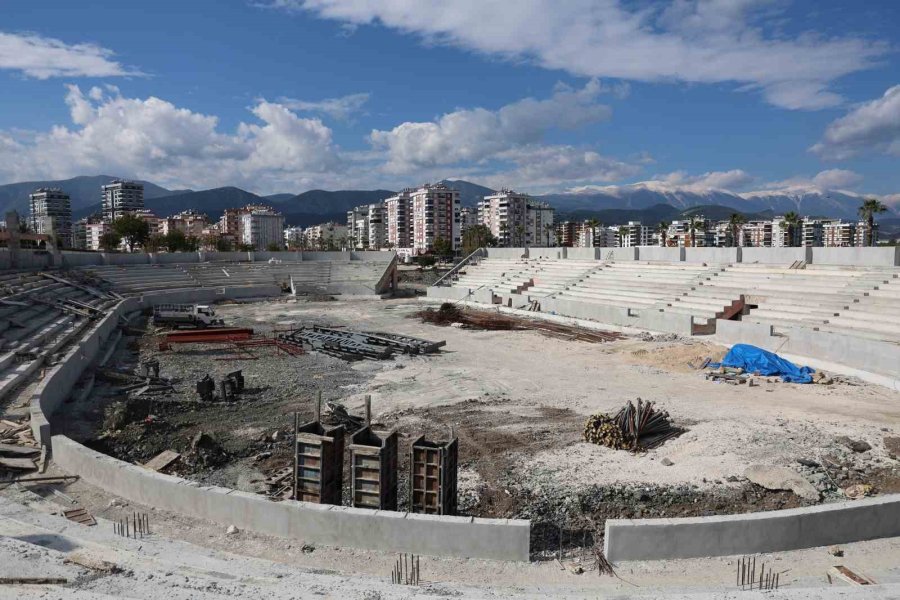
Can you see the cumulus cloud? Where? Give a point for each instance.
(478, 134)
(720, 180)
(837, 179)
(695, 41)
(156, 140)
(872, 126)
(43, 57)
(337, 108)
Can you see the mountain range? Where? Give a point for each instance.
(649, 202)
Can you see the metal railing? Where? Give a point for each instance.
(446, 278)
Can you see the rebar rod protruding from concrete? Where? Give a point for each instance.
(319, 406)
(368, 410)
(297, 458)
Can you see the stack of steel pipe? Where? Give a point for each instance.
(644, 425)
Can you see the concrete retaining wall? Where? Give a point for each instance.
(372, 256)
(285, 256)
(555, 253)
(584, 253)
(80, 259)
(125, 258)
(649, 319)
(620, 254)
(329, 256)
(784, 256)
(165, 258)
(873, 356)
(712, 255)
(226, 256)
(661, 254)
(870, 257)
(507, 252)
(498, 539)
(773, 531)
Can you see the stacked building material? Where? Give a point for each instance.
(640, 427)
(353, 345)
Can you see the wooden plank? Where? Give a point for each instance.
(162, 460)
(15, 450)
(81, 516)
(33, 580)
(845, 574)
(20, 464)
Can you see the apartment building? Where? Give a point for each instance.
(516, 219)
(367, 227)
(154, 223)
(189, 222)
(293, 237)
(634, 234)
(703, 234)
(261, 227)
(326, 236)
(398, 215)
(837, 234)
(94, 230)
(434, 215)
(120, 197)
(468, 217)
(756, 234)
(567, 233)
(51, 214)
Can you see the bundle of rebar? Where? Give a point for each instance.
(640, 427)
(643, 425)
(602, 430)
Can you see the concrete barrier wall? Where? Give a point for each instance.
(555, 253)
(712, 255)
(620, 254)
(166, 258)
(373, 255)
(125, 258)
(284, 256)
(873, 356)
(660, 253)
(507, 252)
(34, 259)
(772, 531)
(498, 539)
(583, 253)
(649, 319)
(80, 259)
(871, 257)
(784, 256)
(5, 262)
(451, 294)
(329, 256)
(227, 256)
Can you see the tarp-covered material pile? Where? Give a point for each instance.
(756, 360)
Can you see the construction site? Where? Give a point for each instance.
(531, 423)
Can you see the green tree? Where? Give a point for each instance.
(223, 244)
(176, 241)
(191, 243)
(791, 222)
(734, 224)
(475, 237)
(110, 241)
(442, 248)
(426, 260)
(695, 225)
(662, 228)
(245, 248)
(871, 207)
(154, 243)
(274, 247)
(133, 229)
(520, 235)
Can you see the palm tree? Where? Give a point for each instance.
(791, 222)
(871, 207)
(593, 224)
(663, 230)
(734, 223)
(694, 227)
(520, 235)
(548, 229)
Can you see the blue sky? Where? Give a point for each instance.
(286, 95)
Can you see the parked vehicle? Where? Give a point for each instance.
(199, 316)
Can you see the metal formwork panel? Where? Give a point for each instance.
(319, 463)
(373, 469)
(433, 477)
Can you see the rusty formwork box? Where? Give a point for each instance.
(373, 469)
(320, 463)
(432, 476)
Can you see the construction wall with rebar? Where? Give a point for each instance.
(497, 539)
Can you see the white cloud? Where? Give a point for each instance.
(837, 179)
(153, 139)
(479, 134)
(872, 126)
(542, 168)
(43, 57)
(337, 108)
(719, 180)
(696, 41)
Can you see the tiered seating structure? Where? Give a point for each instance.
(39, 315)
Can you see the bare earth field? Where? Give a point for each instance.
(518, 401)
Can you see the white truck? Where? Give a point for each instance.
(186, 315)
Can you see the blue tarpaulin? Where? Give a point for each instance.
(756, 360)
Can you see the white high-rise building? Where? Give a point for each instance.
(377, 224)
(634, 234)
(261, 228)
(398, 215)
(516, 219)
(326, 236)
(120, 197)
(367, 227)
(293, 237)
(51, 214)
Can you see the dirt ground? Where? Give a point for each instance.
(517, 400)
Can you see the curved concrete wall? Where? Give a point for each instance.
(498, 539)
(774, 531)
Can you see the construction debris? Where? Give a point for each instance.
(782, 478)
(17, 464)
(339, 415)
(450, 314)
(857, 491)
(354, 345)
(844, 574)
(162, 460)
(80, 515)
